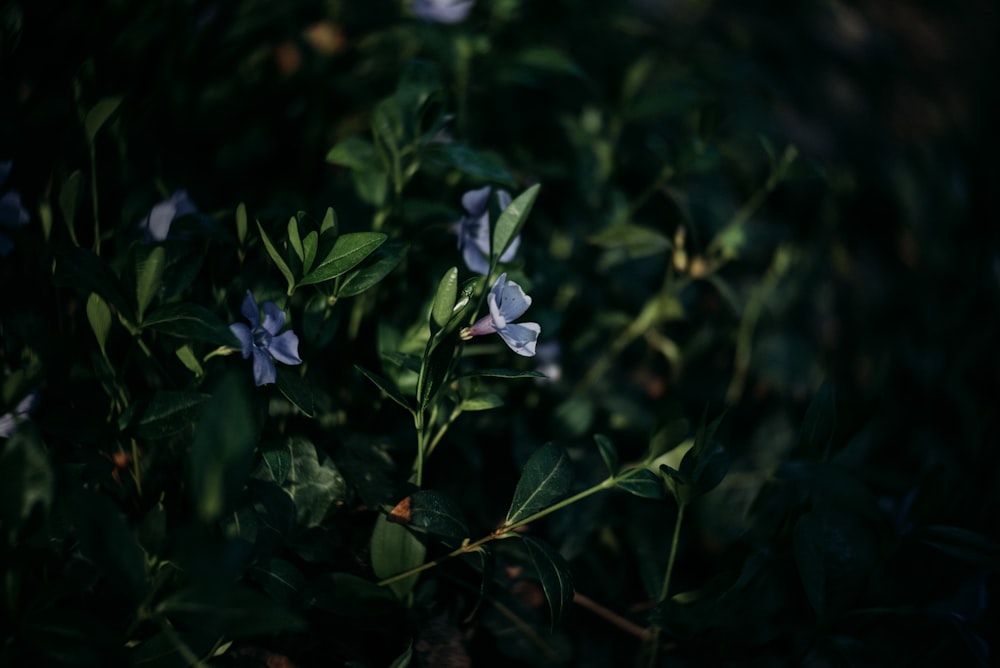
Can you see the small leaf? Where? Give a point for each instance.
(635, 240)
(379, 265)
(99, 115)
(961, 544)
(641, 482)
(241, 223)
(479, 165)
(99, 316)
(191, 321)
(433, 373)
(386, 386)
(546, 478)
(169, 412)
(296, 389)
(668, 437)
(329, 223)
(347, 252)
(279, 261)
(69, 198)
(149, 274)
(481, 401)
(294, 240)
(309, 246)
(444, 298)
(511, 221)
(608, 451)
(187, 357)
(394, 550)
(502, 373)
(353, 152)
(437, 514)
(553, 574)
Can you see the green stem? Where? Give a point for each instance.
(654, 641)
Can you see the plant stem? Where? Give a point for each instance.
(654, 641)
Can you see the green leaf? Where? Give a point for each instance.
(187, 357)
(315, 485)
(820, 421)
(433, 373)
(294, 240)
(479, 165)
(668, 437)
(404, 659)
(234, 612)
(281, 581)
(98, 116)
(379, 265)
(641, 482)
(434, 513)
(329, 223)
(162, 650)
(553, 574)
(69, 198)
(502, 373)
(546, 478)
(608, 451)
(480, 401)
(276, 257)
(223, 448)
(296, 389)
(347, 252)
(276, 461)
(353, 152)
(191, 321)
(149, 274)
(82, 270)
(636, 241)
(386, 386)
(26, 479)
(444, 298)
(962, 544)
(309, 247)
(351, 596)
(395, 549)
(99, 316)
(169, 412)
(548, 58)
(511, 221)
(241, 223)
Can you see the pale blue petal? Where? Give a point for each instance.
(475, 201)
(274, 318)
(242, 332)
(285, 348)
(183, 206)
(12, 213)
(499, 321)
(264, 372)
(160, 217)
(7, 425)
(503, 199)
(250, 311)
(511, 251)
(443, 11)
(513, 302)
(521, 337)
(475, 260)
(5, 166)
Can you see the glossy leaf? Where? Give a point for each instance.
(386, 386)
(295, 240)
(545, 479)
(347, 252)
(511, 220)
(277, 258)
(481, 401)
(149, 274)
(192, 322)
(379, 265)
(236, 612)
(553, 574)
(169, 412)
(641, 482)
(608, 452)
(434, 513)
(295, 388)
(444, 298)
(281, 581)
(99, 316)
(395, 549)
(313, 482)
(502, 373)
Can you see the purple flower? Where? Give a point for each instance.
(442, 11)
(156, 225)
(474, 230)
(9, 421)
(12, 212)
(507, 302)
(261, 339)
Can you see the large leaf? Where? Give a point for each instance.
(641, 482)
(148, 275)
(169, 412)
(353, 152)
(223, 447)
(282, 581)
(480, 165)
(394, 550)
(378, 266)
(608, 452)
(444, 298)
(315, 485)
(434, 513)
(26, 478)
(511, 221)
(99, 316)
(191, 321)
(351, 596)
(553, 574)
(386, 386)
(546, 478)
(347, 252)
(81, 269)
(234, 612)
(295, 388)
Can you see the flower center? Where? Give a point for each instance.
(261, 338)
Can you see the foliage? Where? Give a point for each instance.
(748, 418)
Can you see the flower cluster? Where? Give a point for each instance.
(262, 340)
(507, 302)
(474, 230)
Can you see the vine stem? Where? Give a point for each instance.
(654, 641)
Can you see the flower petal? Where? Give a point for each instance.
(512, 302)
(475, 201)
(274, 317)
(499, 322)
(475, 259)
(8, 424)
(285, 348)
(511, 251)
(521, 337)
(5, 166)
(242, 333)
(183, 206)
(12, 213)
(481, 327)
(264, 372)
(250, 311)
